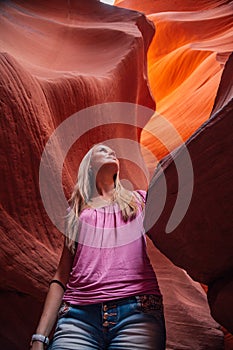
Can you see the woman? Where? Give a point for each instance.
(104, 292)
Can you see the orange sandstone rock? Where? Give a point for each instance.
(185, 61)
(201, 243)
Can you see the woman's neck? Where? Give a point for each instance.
(105, 186)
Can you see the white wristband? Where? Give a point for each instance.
(41, 338)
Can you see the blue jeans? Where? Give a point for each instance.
(134, 323)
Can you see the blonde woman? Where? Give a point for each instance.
(104, 294)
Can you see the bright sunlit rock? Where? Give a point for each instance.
(109, 2)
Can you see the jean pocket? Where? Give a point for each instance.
(63, 310)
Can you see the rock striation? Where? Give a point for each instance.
(57, 58)
(201, 243)
(186, 58)
(190, 80)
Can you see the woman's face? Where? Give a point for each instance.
(103, 155)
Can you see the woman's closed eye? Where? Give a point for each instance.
(106, 150)
(101, 149)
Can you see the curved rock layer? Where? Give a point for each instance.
(185, 60)
(201, 240)
(189, 324)
(193, 41)
(56, 59)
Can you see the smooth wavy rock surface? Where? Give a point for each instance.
(201, 242)
(57, 57)
(187, 57)
(185, 60)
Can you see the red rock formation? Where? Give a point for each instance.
(186, 60)
(56, 59)
(220, 290)
(202, 242)
(188, 321)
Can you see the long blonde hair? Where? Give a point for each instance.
(82, 195)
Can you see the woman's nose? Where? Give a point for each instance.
(112, 153)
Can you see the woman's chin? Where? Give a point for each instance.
(110, 165)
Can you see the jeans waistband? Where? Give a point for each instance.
(136, 298)
(143, 299)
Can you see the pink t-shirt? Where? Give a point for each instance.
(111, 260)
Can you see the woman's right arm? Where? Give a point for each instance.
(54, 297)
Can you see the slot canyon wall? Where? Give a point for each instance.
(56, 60)
(189, 72)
